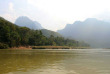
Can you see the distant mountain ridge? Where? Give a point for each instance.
(12, 35)
(25, 21)
(93, 31)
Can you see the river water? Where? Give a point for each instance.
(74, 61)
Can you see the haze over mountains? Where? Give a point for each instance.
(25, 21)
(94, 32)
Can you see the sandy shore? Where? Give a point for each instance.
(22, 47)
(46, 47)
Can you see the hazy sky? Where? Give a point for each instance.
(55, 14)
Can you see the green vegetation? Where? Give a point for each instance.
(3, 46)
(50, 47)
(48, 33)
(58, 47)
(15, 36)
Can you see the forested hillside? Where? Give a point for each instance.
(48, 33)
(12, 35)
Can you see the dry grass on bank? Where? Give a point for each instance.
(46, 47)
(22, 47)
(50, 47)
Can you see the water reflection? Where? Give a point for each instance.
(20, 60)
(54, 61)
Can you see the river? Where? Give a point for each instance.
(74, 61)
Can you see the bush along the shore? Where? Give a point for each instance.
(50, 47)
(3, 46)
(15, 36)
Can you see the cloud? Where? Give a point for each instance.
(11, 6)
(30, 1)
(70, 10)
(9, 17)
(55, 14)
(104, 16)
(11, 14)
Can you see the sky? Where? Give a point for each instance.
(55, 14)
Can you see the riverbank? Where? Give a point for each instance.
(22, 48)
(46, 47)
(51, 47)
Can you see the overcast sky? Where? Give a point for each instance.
(55, 14)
